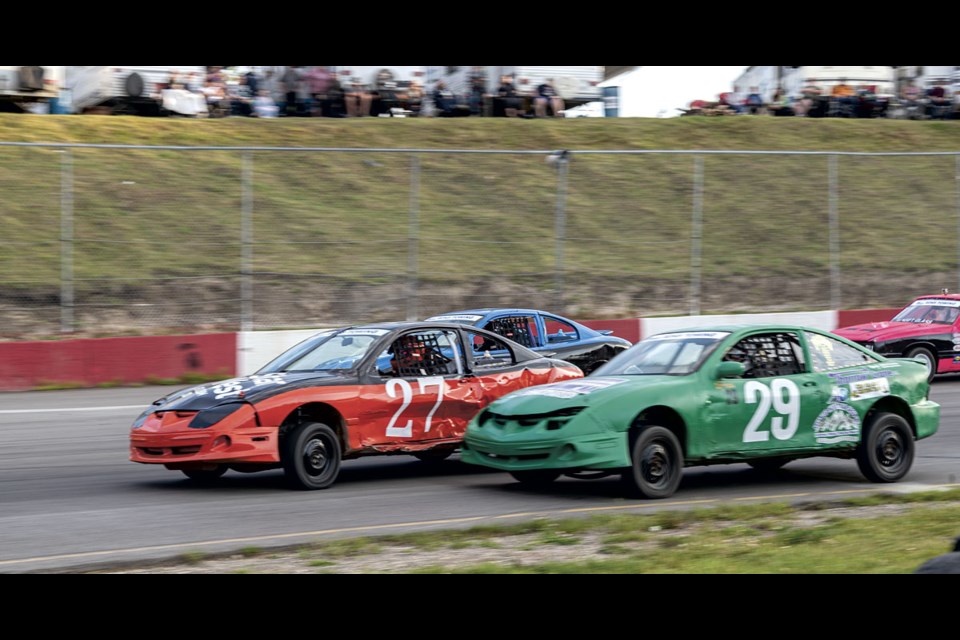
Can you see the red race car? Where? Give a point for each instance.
(394, 388)
(928, 329)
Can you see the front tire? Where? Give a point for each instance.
(311, 456)
(927, 357)
(657, 464)
(886, 452)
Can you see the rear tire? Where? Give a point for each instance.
(928, 358)
(885, 453)
(657, 464)
(205, 476)
(535, 477)
(311, 456)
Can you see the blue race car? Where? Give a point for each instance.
(541, 331)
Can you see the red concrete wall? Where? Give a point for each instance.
(628, 329)
(862, 316)
(89, 361)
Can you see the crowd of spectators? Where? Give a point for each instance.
(316, 91)
(841, 101)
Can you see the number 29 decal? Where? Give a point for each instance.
(406, 391)
(785, 397)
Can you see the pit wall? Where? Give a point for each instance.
(91, 362)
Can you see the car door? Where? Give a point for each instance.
(494, 367)
(421, 391)
(773, 405)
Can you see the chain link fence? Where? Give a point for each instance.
(114, 239)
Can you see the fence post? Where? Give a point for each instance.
(563, 163)
(246, 242)
(696, 236)
(66, 241)
(834, 224)
(413, 238)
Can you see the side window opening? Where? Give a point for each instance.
(827, 353)
(520, 329)
(559, 332)
(426, 353)
(489, 351)
(769, 354)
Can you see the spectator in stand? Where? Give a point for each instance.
(241, 98)
(508, 98)
(547, 96)
(780, 104)
(358, 99)
(478, 90)
(845, 99)
(753, 105)
(938, 106)
(335, 105)
(911, 100)
(253, 82)
(443, 100)
(318, 83)
(414, 97)
(264, 106)
(289, 80)
(727, 101)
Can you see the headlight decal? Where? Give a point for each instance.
(213, 415)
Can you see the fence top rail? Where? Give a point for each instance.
(91, 145)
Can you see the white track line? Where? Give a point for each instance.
(124, 407)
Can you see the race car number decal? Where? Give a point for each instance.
(755, 392)
(406, 391)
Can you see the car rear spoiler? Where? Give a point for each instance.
(604, 332)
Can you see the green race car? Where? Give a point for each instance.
(763, 395)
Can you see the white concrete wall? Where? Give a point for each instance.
(826, 320)
(257, 348)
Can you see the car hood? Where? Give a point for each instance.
(582, 392)
(247, 388)
(882, 331)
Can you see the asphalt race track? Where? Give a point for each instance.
(69, 498)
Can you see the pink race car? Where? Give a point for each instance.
(928, 329)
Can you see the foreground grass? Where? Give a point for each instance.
(874, 534)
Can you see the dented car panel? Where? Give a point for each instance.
(726, 394)
(390, 388)
(541, 331)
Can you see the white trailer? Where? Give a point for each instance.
(28, 86)
(122, 90)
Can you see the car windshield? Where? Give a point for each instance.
(328, 351)
(930, 312)
(674, 354)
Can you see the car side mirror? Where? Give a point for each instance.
(730, 369)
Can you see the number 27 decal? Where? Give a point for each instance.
(755, 392)
(406, 391)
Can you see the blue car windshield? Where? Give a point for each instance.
(675, 354)
(328, 351)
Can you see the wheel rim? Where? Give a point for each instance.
(315, 458)
(890, 450)
(926, 359)
(655, 464)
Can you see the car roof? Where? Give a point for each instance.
(940, 296)
(738, 328)
(523, 353)
(488, 310)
